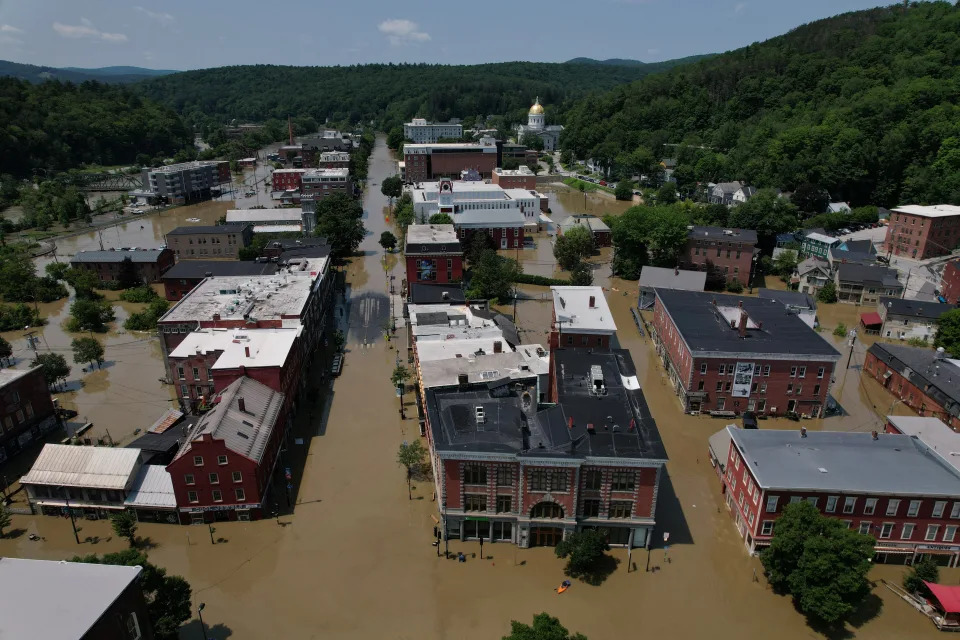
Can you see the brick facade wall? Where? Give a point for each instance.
(24, 404)
(920, 237)
(439, 270)
(421, 167)
(513, 235)
(950, 284)
(730, 256)
(907, 392)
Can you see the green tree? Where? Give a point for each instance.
(83, 282)
(479, 244)
(55, 367)
(392, 187)
(532, 141)
(581, 275)
(399, 376)
(948, 332)
(124, 525)
(412, 457)
(572, 246)
(6, 351)
(90, 315)
(820, 562)
(810, 198)
(395, 138)
(146, 320)
(388, 241)
(624, 190)
(340, 221)
(926, 570)
(87, 350)
(840, 330)
(6, 519)
(545, 627)
(142, 294)
(735, 286)
(19, 316)
(167, 597)
(667, 193)
(534, 167)
(585, 552)
(492, 277)
(56, 270)
(828, 293)
(767, 213)
(441, 218)
(785, 264)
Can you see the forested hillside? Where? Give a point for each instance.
(864, 104)
(386, 93)
(111, 75)
(57, 126)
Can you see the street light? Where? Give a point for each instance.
(200, 615)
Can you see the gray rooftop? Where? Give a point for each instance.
(593, 223)
(867, 274)
(57, 600)
(923, 367)
(795, 299)
(489, 218)
(918, 309)
(848, 462)
(246, 431)
(200, 229)
(703, 320)
(431, 238)
(9, 375)
(205, 268)
(651, 277)
(140, 255)
(432, 293)
(747, 236)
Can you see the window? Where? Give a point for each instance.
(192, 497)
(723, 369)
(198, 461)
(789, 388)
(183, 391)
(955, 510)
(907, 531)
(504, 477)
(820, 372)
(893, 505)
(766, 370)
(816, 389)
(766, 528)
(237, 476)
(801, 372)
(847, 523)
(593, 480)
(849, 504)
(620, 509)
(474, 503)
(474, 474)
(870, 506)
(133, 627)
(864, 528)
(932, 530)
(623, 481)
(217, 495)
(591, 508)
(949, 532)
(793, 372)
(831, 504)
(180, 373)
(763, 389)
(719, 385)
(504, 504)
(795, 499)
(221, 460)
(913, 509)
(188, 479)
(547, 480)
(196, 373)
(241, 496)
(772, 503)
(214, 478)
(938, 508)
(721, 403)
(886, 530)
(703, 368)
(813, 501)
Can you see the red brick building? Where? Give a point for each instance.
(520, 178)
(26, 410)
(581, 319)
(950, 283)
(730, 250)
(926, 381)
(225, 467)
(731, 354)
(591, 460)
(921, 232)
(433, 254)
(145, 265)
(447, 160)
(287, 179)
(912, 513)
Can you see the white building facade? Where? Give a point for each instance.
(423, 132)
(537, 125)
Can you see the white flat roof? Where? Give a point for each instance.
(431, 233)
(929, 211)
(264, 215)
(9, 375)
(67, 465)
(57, 600)
(933, 433)
(152, 489)
(341, 172)
(268, 347)
(571, 306)
(430, 350)
(277, 228)
(491, 366)
(819, 237)
(289, 170)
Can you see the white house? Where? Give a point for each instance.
(743, 194)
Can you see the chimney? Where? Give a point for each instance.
(570, 422)
(216, 317)
(633, 424)
(593, 302)
(803, 432)
(743, 324)
(497, 346)
(462, 379)
(875, 435)
(590, 428)
(246, 351)
(241, 405)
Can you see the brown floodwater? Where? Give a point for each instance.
(355, 559)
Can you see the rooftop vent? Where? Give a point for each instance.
(481, 416)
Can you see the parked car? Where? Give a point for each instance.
(749, 420)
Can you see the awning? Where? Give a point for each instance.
(947, 595)
(871, 319)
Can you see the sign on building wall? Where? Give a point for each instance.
(742, 379)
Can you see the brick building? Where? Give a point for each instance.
(225, 467)
(921, 232)
(433, 161)
(730, 250)
(205, 242)
(581, 319)
(950, 282)
(320, 183)
(27, 411)
(890, 486)
(433, 253)
(519, 178)
(926, 381)
(508, 471)
(183, 277)
(334, 160)
(731, 354)
(602, 236)
(287, 179)
(145, 265)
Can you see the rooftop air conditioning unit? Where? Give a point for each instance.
(481, 416)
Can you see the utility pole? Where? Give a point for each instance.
(903, 294)
(73, 522)
(853, 339)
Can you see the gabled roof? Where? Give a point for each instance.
(153, 488)
(915, 308)
(794, 299)
(67, 465)
(936, 376)
(728, 187)
(867, 274)
(812, 264)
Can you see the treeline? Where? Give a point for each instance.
(863, 104)
(56, 126)
(386, 93)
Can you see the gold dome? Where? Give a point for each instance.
(536, 109)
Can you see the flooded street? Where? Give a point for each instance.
(355, 559)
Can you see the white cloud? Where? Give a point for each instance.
(739, 7)
(86, 30)
(6, 28)
(164, 19)
(400, 32)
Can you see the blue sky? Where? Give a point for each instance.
(192, 34)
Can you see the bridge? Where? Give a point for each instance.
(105, 181)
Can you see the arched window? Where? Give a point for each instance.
(547, 510)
